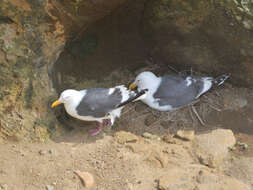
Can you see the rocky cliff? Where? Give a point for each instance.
(210, 36)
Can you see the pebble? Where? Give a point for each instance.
(4, 187)
(42, 152)
(243, 145)
(123, 137)
(169, 139)
(49, 187)
(186, 135)
(86, 178)
(51, 152)
(150, 136)
(22, 154)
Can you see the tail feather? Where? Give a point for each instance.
(220, 79)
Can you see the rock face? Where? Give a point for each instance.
(32, 35)
(212, 148)
(208, 36)
(211, 36)
(31, 39)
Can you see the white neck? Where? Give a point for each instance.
(151, 85)
(70, 106)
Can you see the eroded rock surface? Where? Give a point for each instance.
(212, 148)
(207, 36)
(32, 35)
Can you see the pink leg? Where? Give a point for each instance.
(96, 131)
(107, 122)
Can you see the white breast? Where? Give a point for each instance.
(151, 101)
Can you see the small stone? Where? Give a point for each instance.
(42, 152)
(86, 178)
(150, 136)
(49, 187)
(123, 137)
(51, 152)
(243, 145)
(22, 154)
(169, 139)
(212, 148)
(4, 187)
(186, 135)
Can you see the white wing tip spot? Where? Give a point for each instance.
(111, 90)
(189, 81)
(207, 84)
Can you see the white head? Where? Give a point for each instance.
(144, 81)
(67, 96)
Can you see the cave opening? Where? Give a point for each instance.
(114, 49)
(109, 50)
(204, 39)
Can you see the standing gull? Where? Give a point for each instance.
(173, 91)
(97, 104)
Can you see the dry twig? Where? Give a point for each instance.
(196, 113)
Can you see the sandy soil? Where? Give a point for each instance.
(129, 166)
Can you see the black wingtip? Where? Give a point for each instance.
(221, 79)
(138, 94)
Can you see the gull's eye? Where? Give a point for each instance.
(66, 97)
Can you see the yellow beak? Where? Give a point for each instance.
(132, 86)
(56, 103)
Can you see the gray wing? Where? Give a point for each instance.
(174, 91)
(98, 102)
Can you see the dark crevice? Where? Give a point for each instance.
(6, 20)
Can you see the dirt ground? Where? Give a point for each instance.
(133, 165)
